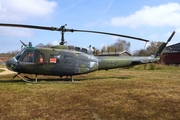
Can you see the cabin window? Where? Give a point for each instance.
(54, 58)
(29, 57)
(84, 50)
(68, 57)
(71, 47)
(77, 49)
(41, 57)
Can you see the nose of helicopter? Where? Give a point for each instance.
(11, 64)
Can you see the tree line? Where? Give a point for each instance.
(153, 46)
(122, 45)
(118, 46)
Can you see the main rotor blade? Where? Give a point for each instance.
(29, 26)
(119, 35)
(63, 29)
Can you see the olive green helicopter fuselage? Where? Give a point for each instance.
(62, 60)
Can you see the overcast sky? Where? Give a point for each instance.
(154, 20)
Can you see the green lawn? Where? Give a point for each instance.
(1, 70)
(126, 94)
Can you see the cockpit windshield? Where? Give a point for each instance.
(20, 54)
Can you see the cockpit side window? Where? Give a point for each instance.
(77, 48)
(19, 54)
(84, 50)
(28, 57)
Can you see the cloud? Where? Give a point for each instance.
(19, 10)
(156, 16)
(55, 42)
(16, 32)
(14, 11)
(178, 31)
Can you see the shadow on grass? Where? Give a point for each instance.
(101, 78)
(33, 81)
(53, 80)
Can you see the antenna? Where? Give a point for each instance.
(23, 43)
(145, 45)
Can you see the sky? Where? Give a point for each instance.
(154, 20)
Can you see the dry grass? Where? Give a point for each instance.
(2, 65)
(116, 94)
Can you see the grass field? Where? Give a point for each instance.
(125, 94)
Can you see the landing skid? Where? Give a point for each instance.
(71, 77)
(26, 78)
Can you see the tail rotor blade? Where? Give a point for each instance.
(171, 37)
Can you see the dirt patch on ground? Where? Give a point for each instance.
(6, 71)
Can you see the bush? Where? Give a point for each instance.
(152, 66)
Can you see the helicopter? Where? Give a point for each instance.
(63, 60)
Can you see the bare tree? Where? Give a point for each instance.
(119, 45)
(141, 52)
(153, 47)
(42, 45)
(149, 50)
(122, 45)
(104, 48)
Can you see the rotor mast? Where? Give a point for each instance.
(62, 28)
